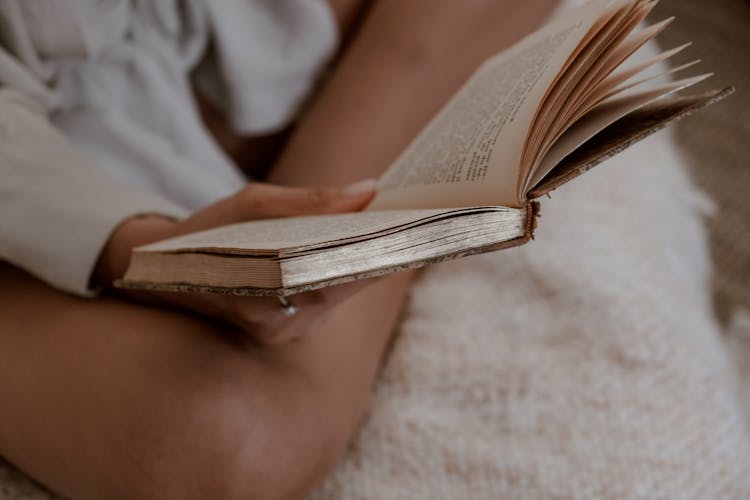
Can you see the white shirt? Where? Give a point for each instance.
(98, 120)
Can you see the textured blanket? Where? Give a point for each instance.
(586, 364)
(583, 365)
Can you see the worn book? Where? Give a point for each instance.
(529, 119)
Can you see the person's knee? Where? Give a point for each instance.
(244, 442)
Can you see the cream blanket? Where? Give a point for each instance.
(583, 365)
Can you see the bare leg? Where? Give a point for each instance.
(107, 399)
(406, 60)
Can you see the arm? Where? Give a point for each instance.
(258, 316)
(73, 226)
(402, 64)
(66, 222)
(57, 209)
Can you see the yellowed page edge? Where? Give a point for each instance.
(600, 117)
(616, 54)
(595, 101)
(604, 32)
(271, 236)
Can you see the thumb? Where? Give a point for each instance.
(263, 201)
(260, 201)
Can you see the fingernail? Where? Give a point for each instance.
(361, 187)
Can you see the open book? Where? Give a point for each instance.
(528, 120)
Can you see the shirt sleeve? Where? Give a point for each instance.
(266, 57)
(57, 209)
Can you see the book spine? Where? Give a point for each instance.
(533, 212)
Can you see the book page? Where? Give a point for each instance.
(614, 60)
(583, 84)
(614, 82)
(599, 118)
(623, 134)
(602, 36)
(469, 154)
(270, 236)
(603, 94)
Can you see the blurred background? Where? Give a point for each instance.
(716, 143)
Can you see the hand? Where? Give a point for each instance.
(260, 317)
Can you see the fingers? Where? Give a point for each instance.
(340, 293)
(269, 325)
(262, 201)
(263, 318)
(258, 201)
(274, 328)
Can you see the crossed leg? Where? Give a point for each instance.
(106, 399)
(109, 399)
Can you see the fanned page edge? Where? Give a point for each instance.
(532, 213)
(624, 133)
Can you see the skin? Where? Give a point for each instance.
(258, 317)
(136, 397)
